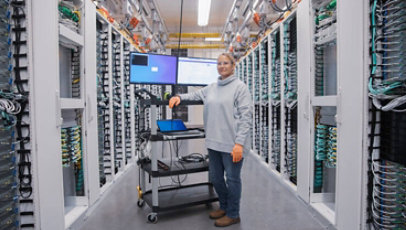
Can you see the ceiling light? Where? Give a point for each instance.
(203, 12)
(212, 39)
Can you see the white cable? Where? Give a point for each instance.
(392, 105)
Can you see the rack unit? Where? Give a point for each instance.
(290, 96)
(92, 120)
(324, 107)
(72, 104)
(17, 189)
(317, 107)
(264, 100)
(385, 200)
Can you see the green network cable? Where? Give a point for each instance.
(68, 13)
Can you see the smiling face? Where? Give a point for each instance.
(225, 66)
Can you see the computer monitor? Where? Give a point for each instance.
(197, 71)
(146, 68)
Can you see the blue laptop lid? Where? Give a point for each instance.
(171, 125)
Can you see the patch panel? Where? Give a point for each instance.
(69, 16)
(325, 37)
(249, 73)
(72, 156)
(275, 67)
(127, 109)
(264, 72)
(117, 115)
(103, 101)
(276, 137)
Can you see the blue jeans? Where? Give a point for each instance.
(228, 190)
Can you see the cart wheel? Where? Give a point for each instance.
(140, 203)
(152, 218)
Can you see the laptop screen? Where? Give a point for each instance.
(171, 125)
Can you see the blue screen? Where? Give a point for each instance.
(152, 69)
(171, 125)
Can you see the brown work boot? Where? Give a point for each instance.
(217, 214)
(226, 221)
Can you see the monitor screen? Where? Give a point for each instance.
(152, 69)
(197, 71)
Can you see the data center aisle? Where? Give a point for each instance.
(266, 204)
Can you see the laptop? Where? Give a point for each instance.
(176, 127)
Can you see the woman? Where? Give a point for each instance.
(227, 122)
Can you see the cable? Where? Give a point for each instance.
(180, 26)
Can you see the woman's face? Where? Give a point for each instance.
(224, 66)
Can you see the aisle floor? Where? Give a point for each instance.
(265, 204)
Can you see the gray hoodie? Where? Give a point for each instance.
(227, 113)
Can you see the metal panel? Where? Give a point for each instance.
(351, 103)
(91, 158)
(304, 138)
(45, 98)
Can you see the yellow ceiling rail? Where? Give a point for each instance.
(196, 46)
(195, 35)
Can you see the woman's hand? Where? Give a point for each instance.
(174, 101)
(237, 153)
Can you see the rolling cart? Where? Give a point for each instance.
(177, 197)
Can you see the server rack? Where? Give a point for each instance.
(76, 59)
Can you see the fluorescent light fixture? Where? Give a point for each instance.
(203, 12)
(213, 39)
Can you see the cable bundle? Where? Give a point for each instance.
(275, 7)
(275, 68)
(71, 143)
(320, 147)
(102, 96)
(256, 76)
(103, 102)
(264, 72)
(117, 116)
(276, 136)
(127, 111)
(265, 133)
(75, 65)
(291, 156)
(318, 175)
(290, 62)
(244, 69)
(389, 195)
(256, 127)
(325, 23)
(249, 73)
(69, 16)
(388, 47)
(291, 143)
(325, 36)
(9, 209)
(331, 161)
(319, 70)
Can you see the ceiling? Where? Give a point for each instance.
(171, 9)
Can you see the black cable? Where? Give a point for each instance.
(180, 26)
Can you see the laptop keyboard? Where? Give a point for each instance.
(186, 132)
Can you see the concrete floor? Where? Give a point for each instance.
(265, 204)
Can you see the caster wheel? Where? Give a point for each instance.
(152, 218)
(140, 203)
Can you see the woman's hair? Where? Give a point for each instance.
(229, 56)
